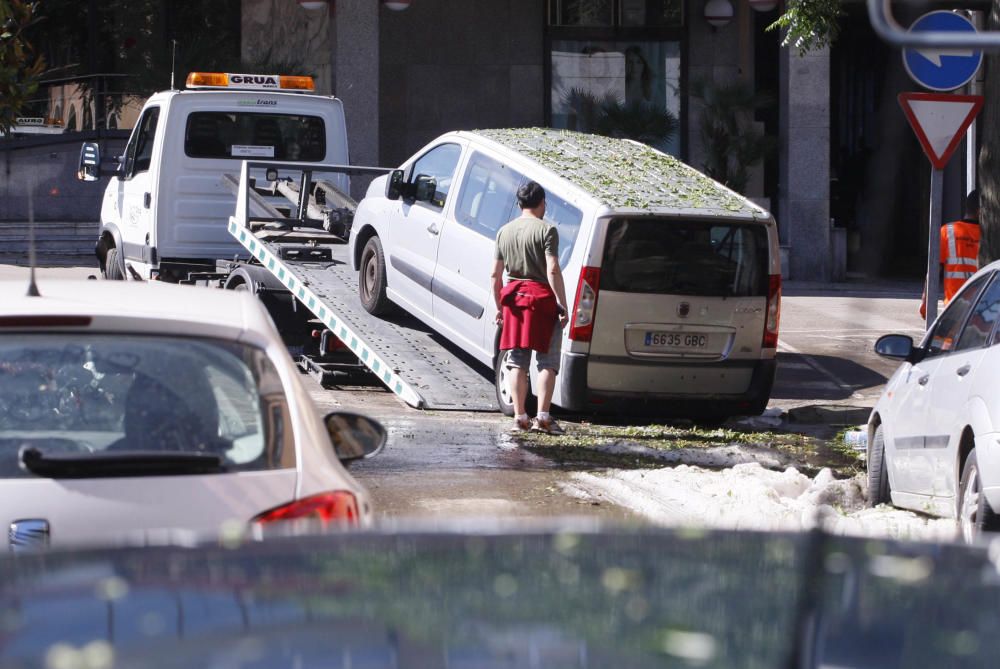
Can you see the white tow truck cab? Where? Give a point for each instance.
(165, 210)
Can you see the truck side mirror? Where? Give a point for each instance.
(394, 186)
(90, 162)
(424, 188)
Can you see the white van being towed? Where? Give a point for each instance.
(674, 280)
(166, 208)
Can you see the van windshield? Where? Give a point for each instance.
(216, 134)
(681, 257)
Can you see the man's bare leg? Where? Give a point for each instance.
(519, 390)
(547, 385)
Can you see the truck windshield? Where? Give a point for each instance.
(214, 134)
(100, 395)
(685, 258)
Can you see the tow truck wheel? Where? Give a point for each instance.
(371, 279)
(113, 266)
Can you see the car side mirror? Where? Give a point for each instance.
(394, 185)
(896, 346)
(424, 188)
(354, 437)
(90, 162)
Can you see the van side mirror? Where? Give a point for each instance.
(394, 186)
(424, 188)
(90, 162)
(354, 437)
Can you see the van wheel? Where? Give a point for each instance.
(502, 385)
(371, 279)
(113, 266)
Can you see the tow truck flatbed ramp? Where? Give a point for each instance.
(409, 359)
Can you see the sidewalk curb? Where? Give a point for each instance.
(829, 414)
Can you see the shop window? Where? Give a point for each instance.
(642, 75)
(612, 13)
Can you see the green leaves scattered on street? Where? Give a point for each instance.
(634, 446)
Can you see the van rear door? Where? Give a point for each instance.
(681, 306)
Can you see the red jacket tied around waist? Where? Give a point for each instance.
(530, 312)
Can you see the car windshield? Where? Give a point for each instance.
(92, 394)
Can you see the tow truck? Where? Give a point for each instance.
(295, 231)
(165, 210)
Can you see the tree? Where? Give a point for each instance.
(812, 24)
(20, 66)
(989, 156)
(732, 143)
(642, 121)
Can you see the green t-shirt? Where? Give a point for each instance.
(523, 244)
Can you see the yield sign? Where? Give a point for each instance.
(939, 121)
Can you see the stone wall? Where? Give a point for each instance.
(277, 33)
(804, 197)
(47, 169)
(459, 65)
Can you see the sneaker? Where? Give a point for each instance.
(522, 425)
(548, 425)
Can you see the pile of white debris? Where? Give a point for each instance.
(749, 496)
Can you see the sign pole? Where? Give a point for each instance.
(934, 246)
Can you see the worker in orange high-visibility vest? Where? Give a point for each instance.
(959, 251)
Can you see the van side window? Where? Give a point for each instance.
(139, 152)
(566, 218)
(489, 196)
(440, 163)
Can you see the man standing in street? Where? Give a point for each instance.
(531, 305)
(959, 251)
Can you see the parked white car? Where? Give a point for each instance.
(144, 413)
(933, 435)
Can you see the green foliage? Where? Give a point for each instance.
(732, 144)
(619, 173)
(20, 65)
(608, 116)
(809, 25)
(143, 32)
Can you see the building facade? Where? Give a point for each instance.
(409, 71)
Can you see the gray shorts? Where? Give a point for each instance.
(520, 358)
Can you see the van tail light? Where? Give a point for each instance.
(581, 327)
(773, 312)
(339, 507)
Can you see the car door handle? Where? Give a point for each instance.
(924, 379)
(963, 370)
(432, 228)
(147, 199)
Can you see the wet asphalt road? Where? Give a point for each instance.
(461, 464)
(441, 464)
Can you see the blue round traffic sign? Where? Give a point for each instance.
(942, 69)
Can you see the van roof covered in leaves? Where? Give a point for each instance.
(623, 174)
